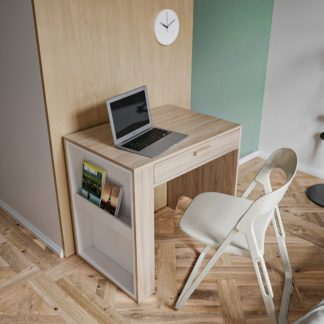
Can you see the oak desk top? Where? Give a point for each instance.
(197, 126)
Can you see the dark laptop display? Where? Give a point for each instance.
(130, 114)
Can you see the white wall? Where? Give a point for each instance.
(27, 188)
(293, 110)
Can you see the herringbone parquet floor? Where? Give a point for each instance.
(38, 287)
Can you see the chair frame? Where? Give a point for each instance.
(276, 160)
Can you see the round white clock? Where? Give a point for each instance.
(166, 27)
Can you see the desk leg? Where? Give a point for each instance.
(219, 175)
(144, 231)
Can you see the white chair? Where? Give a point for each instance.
(314, 316)
(238, 225)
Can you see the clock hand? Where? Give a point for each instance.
(171, 23)
(164, 25)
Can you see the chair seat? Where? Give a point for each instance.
(211, 216)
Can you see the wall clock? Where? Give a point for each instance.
(166, 27)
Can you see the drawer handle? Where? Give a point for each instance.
(195, 153)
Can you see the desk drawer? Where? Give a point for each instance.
(196, 156)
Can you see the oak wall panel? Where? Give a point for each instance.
(92, 50)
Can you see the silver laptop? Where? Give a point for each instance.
(132, 127)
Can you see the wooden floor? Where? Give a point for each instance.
(38, 287)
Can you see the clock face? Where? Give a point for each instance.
(166, 27)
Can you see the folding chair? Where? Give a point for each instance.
(238, 225)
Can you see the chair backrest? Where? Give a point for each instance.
(256, 219)
(283, 158)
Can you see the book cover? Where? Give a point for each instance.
(93, 180)
(111, 197)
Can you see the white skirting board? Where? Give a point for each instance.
(248, 157)
(21, 220)
(312, 171)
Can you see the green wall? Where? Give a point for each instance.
(230, 51)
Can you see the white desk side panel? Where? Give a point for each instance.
(103, 240)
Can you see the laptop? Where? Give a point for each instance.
(132, 127)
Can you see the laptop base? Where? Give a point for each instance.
(159, 146)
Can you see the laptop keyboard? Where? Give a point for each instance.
(148, 138)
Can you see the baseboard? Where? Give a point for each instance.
(248, 157)
(301, 167)
(263, 155)
(312, 171)
(35, 231)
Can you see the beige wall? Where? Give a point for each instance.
(91, 50)
(27, 189)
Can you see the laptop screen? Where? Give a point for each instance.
(129, 113)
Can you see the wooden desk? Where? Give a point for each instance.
(206, 160)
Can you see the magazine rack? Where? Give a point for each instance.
(103, 240)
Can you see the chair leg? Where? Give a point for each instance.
(266, 291)
(249, 189)
(194, 271)
(195, 283)
(288, 287)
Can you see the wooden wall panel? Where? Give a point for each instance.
(91, 50)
